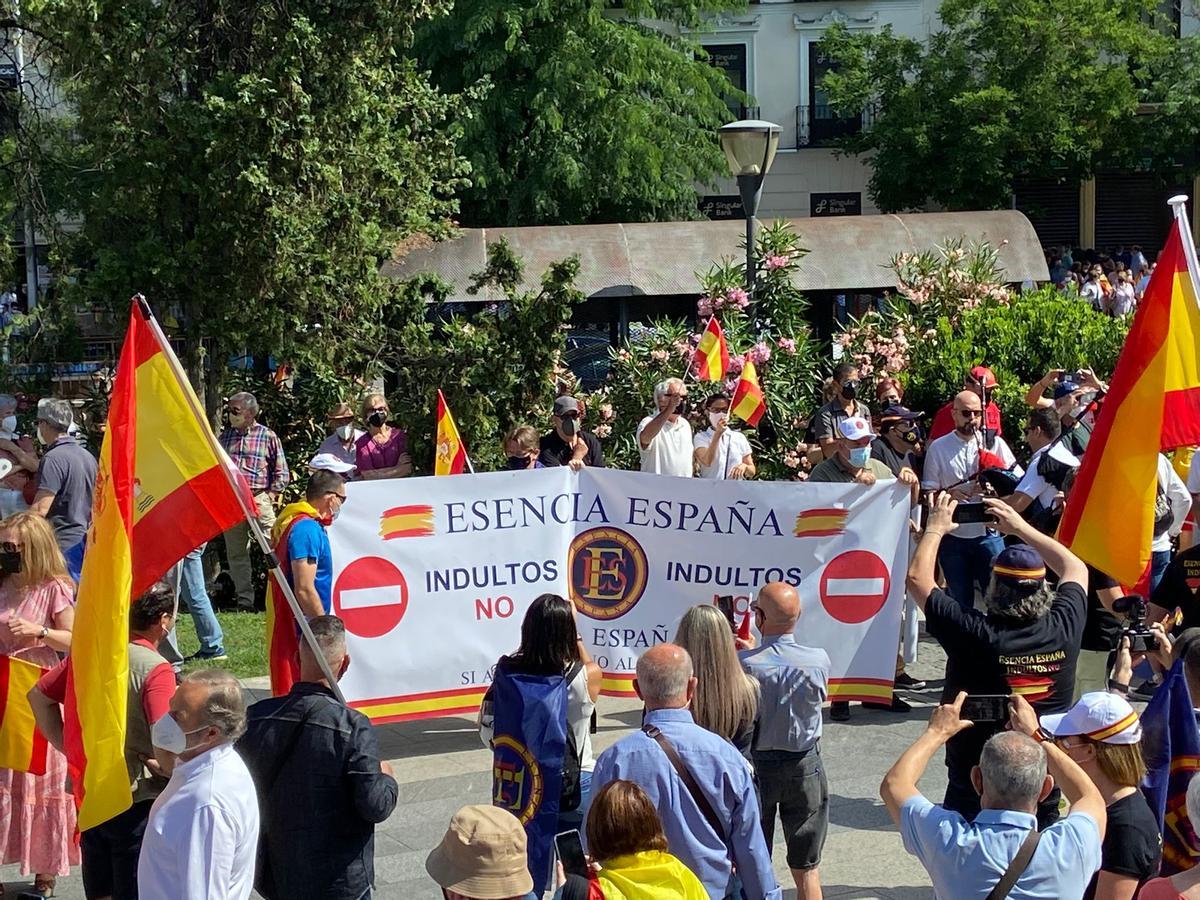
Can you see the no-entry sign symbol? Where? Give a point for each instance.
(370, 596)
(854, 586)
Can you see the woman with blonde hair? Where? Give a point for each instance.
(37, 815)
(383, 451)
(726, 699)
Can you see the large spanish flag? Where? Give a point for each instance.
(748, 402)
(163, 487)
(283, 641)
(22, 745)
(451, 455)
(712, 353)
(1153, 404)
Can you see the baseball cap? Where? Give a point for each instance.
(330, 463)
(482, 855)
(563, 405)
(1063, 388)
(1100, 716)
(1017, 566)
(984, 376)
(855, 428)
(900, 412)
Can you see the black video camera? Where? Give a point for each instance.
(1133, 607)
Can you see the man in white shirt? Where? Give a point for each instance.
(202, 835)
(722, 452)
(952, 463)
(665, 439)
(1172, 503)
(1038, 488)
(341, 441)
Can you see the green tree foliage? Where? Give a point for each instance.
(248, 166)
(585, 114)
(1002, 91)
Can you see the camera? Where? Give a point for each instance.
(1133, 607)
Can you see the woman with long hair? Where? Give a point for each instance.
(37, 814)
(551, 645)
(726, 699)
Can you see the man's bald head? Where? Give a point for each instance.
(968, 413)
(779, 604)
(664, 677)
(967, 400)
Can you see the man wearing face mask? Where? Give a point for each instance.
(852, 461)
(21, 453)
(303, 546)
(568, 444)
(845, 404)
(202, 834)
(257, 451)
(521, 448)
(66, 480)
(665, 439)
(321, 784)
(110, 850)
(899, 435)
(340, 443)
(721, 452)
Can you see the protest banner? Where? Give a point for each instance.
(432, 576)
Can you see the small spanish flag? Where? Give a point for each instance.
(748, 402)
(712, 354)
(451, 455)
(406, 521)
(22, 746)
(821, 522)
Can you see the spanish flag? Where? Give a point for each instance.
(405, 522)
(821, 522)
(163, 487)
(22, 745)
(748, 403)
(283, 642)
(712, 354)
(1153, 404)
(451, 455)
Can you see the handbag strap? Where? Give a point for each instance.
(1017, 867)
(689, 782)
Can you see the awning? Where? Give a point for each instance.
(662, 258)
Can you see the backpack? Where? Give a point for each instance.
(1162, 510)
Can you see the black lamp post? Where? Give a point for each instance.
(750, 147)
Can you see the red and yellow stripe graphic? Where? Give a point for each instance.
(1153, 404)
(22, 745)
(712, 354)
(430, 705)
(615, 684)
(821, 522)
(450, 455)
(864, 690)
(405, 522)
(1102, 734)
(163, 487)
(748, 403)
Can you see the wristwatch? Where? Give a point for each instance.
(45, 631)
(1042, 736)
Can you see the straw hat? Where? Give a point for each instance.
(482, 855)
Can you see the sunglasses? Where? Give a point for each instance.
(341, 497)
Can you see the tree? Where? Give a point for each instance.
(584, 115)
(248, 166)
(1003, 91)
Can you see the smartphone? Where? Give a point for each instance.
(570, 853)
(725, 605)
(986, 708)
(972, 514)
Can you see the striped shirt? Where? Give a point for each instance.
(259, 454)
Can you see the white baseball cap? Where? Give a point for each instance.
(1100, 716)
(855, 428)
(330, 463)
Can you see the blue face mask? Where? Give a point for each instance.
(859, 457)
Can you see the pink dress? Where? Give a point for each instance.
(37, 814)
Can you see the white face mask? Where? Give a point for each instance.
(345, 432)
(716, 417)
(166, 734)
(41, 438)
(9, 424)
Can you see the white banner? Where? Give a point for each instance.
(433, 575)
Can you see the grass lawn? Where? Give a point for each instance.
(245, 642)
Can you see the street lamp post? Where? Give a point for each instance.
(750, 146)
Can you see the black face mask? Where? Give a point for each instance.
(377, 419)
(518, 462)
(850, 390)
(10, 562)
(909, 437)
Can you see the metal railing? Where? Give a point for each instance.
(821, 126)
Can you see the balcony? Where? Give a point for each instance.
(820, 126)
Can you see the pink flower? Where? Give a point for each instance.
(602, 431)
(791, 459)
(787, 345)
(704, 307)
(659, 355)
(759, 353)
(736, 364)
(776, 262)
(730, 385)
(738, 297)
(606, 412)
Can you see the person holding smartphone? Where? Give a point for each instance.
(1026, 643)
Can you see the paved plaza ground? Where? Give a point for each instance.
(441, 766)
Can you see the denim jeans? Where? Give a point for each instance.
(576, 817)
(1159, 560)
(74, 557)
(192, 590)
(967, 562)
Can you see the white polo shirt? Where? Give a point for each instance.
(202, 835)
(733, 449)
(950, 459)
(670, 453)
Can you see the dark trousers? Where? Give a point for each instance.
(110, 854)
(967, 564)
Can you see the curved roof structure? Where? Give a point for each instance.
(662, 258)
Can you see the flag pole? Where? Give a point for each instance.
(1178, 205)
(251, 517)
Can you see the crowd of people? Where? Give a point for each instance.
(1113, 281)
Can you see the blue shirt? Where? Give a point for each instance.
(793, 682)
(724, 776)
(966, 860)
(308, 540)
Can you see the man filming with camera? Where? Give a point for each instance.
(1026, 642)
